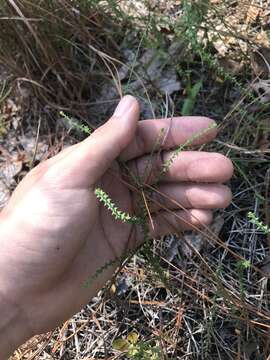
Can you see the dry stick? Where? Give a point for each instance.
(29, 50)
(150, 161)
(116, 80)
(58, 19)
(221, 308)
(34, 83)
(243, 150)
(148, 210)
(17, 18)
(159, 142)
(266, 206)
(267, 222)
(36, 144)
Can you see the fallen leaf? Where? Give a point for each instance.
(123, 285)
(260, 62)
(4, 195)
(139, 74)
(231, 66)
(263, 39)
(8, 171)
(113, 289)
(29, 144)
(252, 14)
(169, 83)
(262, 88)
(193, 240)
(199, 241)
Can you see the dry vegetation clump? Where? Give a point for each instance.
(52, 46)
(202, 295)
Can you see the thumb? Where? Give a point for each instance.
(92, 157)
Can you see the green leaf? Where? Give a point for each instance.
(189, 103)
(120, 345)
(243, 264)
(133, 337)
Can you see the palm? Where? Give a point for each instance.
(116, 234)
(87, 238)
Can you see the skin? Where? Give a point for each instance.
(55, 233)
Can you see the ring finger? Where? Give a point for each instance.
(188, 196)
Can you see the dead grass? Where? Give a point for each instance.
(210, 298)
(48, 45)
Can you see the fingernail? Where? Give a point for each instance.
(124, 105)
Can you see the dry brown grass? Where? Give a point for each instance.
(47, 45)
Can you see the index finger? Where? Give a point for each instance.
(176, 131)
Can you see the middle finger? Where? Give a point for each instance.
(191, 166)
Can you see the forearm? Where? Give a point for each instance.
(13, 326)
(13, 331)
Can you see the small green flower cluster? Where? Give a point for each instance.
(83, 128)
(99, 271)
(117, 214)
(260, 225)
(182, 147)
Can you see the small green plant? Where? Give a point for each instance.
(241, 266)
(3, 130)
(260, 225)
(72, 124)
(189, 103)
(5, 91)
(137, 350)
(117, 214)
(176, 152)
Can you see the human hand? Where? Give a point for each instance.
(55, 233)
